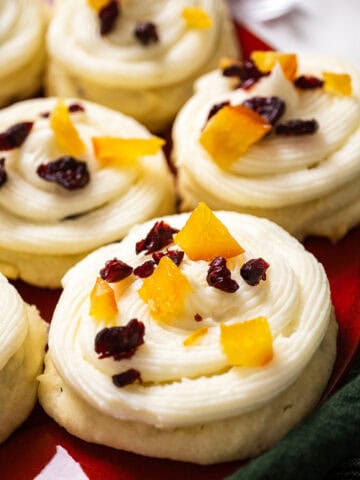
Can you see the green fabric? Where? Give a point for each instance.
(312, 449)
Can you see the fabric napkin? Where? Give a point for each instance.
(317, 448)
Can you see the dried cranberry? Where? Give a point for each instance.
(76, 107)
(115, 270)
(15, 136)
(216, 108)
(308, 82)
(107, 16)
(145, 270)
(246, 71)
(65, 171)
(159, 236)
(198, 317)
(175, 255)
(146, 33)
(254, 270)
(219, 276)
(297, 127)
(126, 378)
(3, 174)
(120, 342)
(271, 108)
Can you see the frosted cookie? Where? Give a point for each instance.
(201, 338)
(73, 176)
(22, 347)
(140, 58)
(281, 142)
(22, 48)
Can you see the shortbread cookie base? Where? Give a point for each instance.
(18, 379)
(41, 270)
(240, 437)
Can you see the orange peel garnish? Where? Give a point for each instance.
(103, 306)
(67, 137)
(231, 132)
(195, 336)
(205, 237)
(119, 152)
(165, 290)
(266, 60)
(337, 83)
(247, 344)
(97, 4)
(196, 17)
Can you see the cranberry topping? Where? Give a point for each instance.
(126, 378)
(297, 127)
(76, 107)
(115, 270)
(145, 270)
(246, 71)
(308, 82)
(120, 342)
(175, 255)
(215, 108)
(271, 108)
(219, 276)
(159, 237)
(254, 270)
(15, 136)
(3, 174)
(107, 16)
(146, 33)
(66, 171)
(198, 317)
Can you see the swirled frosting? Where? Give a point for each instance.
(190, 385)
(22, 29)
(289, 179)
(41, 217)
(148, 82)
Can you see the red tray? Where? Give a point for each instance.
(29, 449)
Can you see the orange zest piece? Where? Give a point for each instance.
(247, 344)
(205, 237)
(196, 17)
(195, 336)
(337, 83)
(97, 4)
(103, 306)
(67, 138)
(165, 290)
(119, 152)
(231, 132)
(265, 61)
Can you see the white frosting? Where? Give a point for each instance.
(150, 82)
(191, 385)
(279, 174)
(22, 29)
(32, 210)
(13, 321)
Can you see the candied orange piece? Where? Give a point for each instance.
(117, 152)
(67, 138)
(337, 83)
(97, 4)
(265, 61)
(231, 132)
(196, 17)
(103, 305)
(164, 291)
(204, 237)
(195, 336)
(247, 344)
